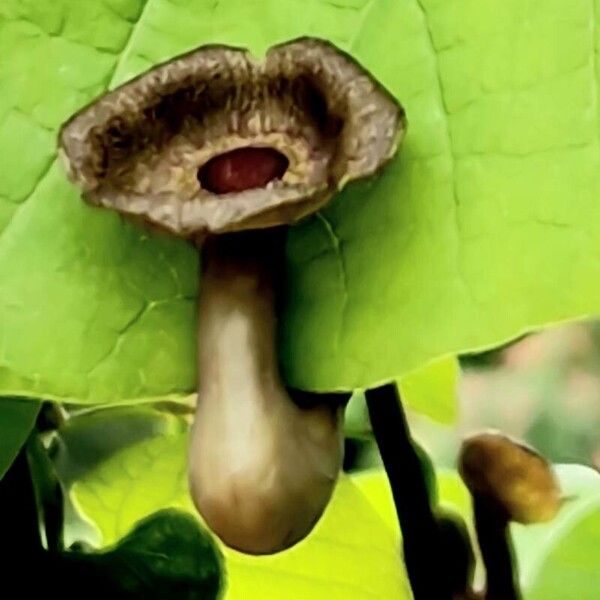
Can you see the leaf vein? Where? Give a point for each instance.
(337, 247)
(112, 76)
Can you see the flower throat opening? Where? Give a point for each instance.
(242, 169)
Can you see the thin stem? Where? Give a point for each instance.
(497, 552)
(459, 558)
(420, 533)
(49, 494)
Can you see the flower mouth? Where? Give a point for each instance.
(242, 169)
(313, 117)
(248, 128)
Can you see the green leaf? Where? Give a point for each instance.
(356, 417)
(373, 483)
(17, 418)
(485, 227)
(48, 492)
(571, 567)
(166, 555)
(557, 560)
(134, 483)
(453, 493)
(89, 438)
(350, 554)
(432, 390)
(560, 559)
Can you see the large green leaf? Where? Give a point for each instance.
(487, 225)
(17, 418)
(351, 553)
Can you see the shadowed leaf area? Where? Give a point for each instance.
(350, 554)
(17, 418)
(166, 555)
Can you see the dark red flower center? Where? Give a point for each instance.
(242, 169)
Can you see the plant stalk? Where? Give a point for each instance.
(496, 548)
(420, 532)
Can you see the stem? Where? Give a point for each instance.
(496, 549)
(48, 492)
(459, 559)
(262, 468)
(420, 534)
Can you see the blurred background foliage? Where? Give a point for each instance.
(543, 388)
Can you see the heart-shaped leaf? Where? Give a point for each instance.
(486, 226)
